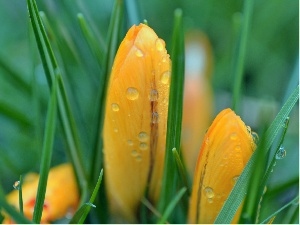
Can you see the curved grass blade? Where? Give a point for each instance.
(239, 57)
(91, 40)
(174, 113)
(82, 213)
(46, 155)
(65, 113)
(296, 199)
(181, 169)
(18, 217)
(237, 194)
(172, 205)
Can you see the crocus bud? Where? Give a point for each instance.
(135, 124)
(227, 147)
(198, 97)
(61, 197)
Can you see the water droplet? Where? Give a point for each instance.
(155, 117)
(234, 179)
(143, 136)
(139, 53)
(116, 130)
(255, 137)
(159, 44)
(165, 77)
(143, 146)
(16, 185)
(130, 142)
(210, 200)
(238, 148)
(281, 153)
(132, 93)
(153, 95)
(134, 153)
(249, 129)
(138, 158)
(115, 107)
(207, 141)
(233, 136)
(209, 192)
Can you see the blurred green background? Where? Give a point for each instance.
(271, 70)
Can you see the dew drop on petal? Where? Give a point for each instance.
(155, 117)
(139, 53)
(143, 136)
(115, 107)
(130, 142)
(153, 96)
(210, 200)
(159, 44)
(281, 153)
(209, 192)
(116, 130)
(234, 179)
(233, 136)
(132, 93)
(16, 185)
(143, 146)
(255, 137)
(165, 77)
(138, 158)
(134, 153)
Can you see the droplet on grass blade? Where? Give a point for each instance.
(139, 84)
(281, 153)
(16, 185)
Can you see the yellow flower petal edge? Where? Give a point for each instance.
(227, 147)
(134, 132)
(62, 196)
(198, 96)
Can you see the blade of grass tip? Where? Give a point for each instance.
(181, 170)
(296, 199)
(80, 216)
(133, 11)
(65, 113)
(239, 190)
(172, 205)
(239, 57)
(91, 40)
(46, 155)
(16, 216)
(112, 43)
(174, 112)
(254, 189)
(21, 195)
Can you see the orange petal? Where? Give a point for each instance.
(226, 149)
(135, 121)
(61, 195)
(198, 98)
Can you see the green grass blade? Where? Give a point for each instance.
(237, 194)
(46, 155)
(181, 169)
(91, 40)
(82, 213)
(172, 205)
(16, 216)
(20, 194)
(65, 113)
(133, 11)
(239, 57)
(296, 199)
(174, 113)
(1, 218)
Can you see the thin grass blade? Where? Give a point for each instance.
(237, 194)
(181, 169)
(46, 155)
(174, 113)
(20, 194)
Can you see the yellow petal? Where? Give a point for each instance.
(135, 121)
(226, 149)
(198, 98)
(61, 195)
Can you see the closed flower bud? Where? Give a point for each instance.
(134, 132)
(61, 197)
(225, 151)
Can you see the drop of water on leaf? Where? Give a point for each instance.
(233, 136)
(281, 153)
(139, 53)
(143, 146)
(165, 77)
(143, 136)
(132, 93)
(155, 117)
(16, 185)
(209, 192)
(115, 107)
(159, 44)
(153, 96)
